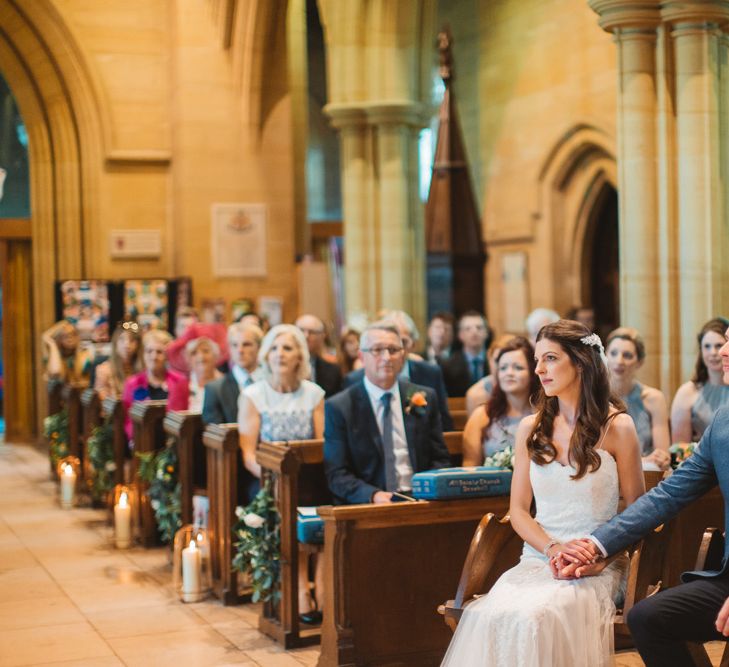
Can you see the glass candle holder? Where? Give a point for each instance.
(68, 474)
(191, 567)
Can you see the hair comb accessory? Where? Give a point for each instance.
(593, 340)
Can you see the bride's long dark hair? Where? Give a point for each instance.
(594, 404)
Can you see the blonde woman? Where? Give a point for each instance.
(65, 361)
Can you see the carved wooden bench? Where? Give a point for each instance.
(186, 429)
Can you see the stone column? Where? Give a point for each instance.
(634, 27)
(700, 144)
(376, 78)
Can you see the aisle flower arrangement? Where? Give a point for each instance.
(160, 471)
(101, 457)
(680, 452)
(55, 430)
(258, 545)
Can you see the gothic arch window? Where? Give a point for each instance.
(14, 172)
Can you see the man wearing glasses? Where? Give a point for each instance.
(383, 429)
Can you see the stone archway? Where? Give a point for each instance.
(574, 178)
(56, 97)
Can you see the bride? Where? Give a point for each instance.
(576, 456)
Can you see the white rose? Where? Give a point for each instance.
(253, 520)
(239, 512)
(110, 466)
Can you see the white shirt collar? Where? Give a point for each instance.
(376, 392)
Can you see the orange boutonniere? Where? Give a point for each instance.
(416, 403)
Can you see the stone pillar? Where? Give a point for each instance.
(377, 79)
(634, 28)
(700, 143)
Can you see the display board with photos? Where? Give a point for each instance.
(95, 306)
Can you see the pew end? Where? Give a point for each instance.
(186, 428)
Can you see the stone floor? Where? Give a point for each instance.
(69, 598)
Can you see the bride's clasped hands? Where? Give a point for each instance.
(577, 558)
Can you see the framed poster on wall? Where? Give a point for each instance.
(147, 301)
(239, 240)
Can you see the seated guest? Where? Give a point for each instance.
(284, 405)
(492, 428)
(156, 382)
(177, 357)
(125, 360)
(323, 373)
(65, 361)
(647, 406)
(348, 352)
(220, 404)
(582, 314)
(467, 366)
(537, 319)
(184, 318)
(382, 429)
(202, 358)
(440, 337)
(479, 393)
(415, 370)
(697, 400)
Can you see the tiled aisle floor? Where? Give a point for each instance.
(68, 598)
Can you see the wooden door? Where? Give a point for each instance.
(19, 371)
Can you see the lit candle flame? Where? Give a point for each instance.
(67, 469)
(193, 546)
(123, 500)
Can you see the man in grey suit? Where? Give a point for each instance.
(698, 609)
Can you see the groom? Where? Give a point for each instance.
(698, 609)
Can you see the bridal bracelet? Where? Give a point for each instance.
(549, 545)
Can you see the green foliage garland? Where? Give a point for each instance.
(55, 430)
(161, 472)
(100, 447)
(258, 549)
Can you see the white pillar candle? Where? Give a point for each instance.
(191, 573)
(68, 486)
(123, 523)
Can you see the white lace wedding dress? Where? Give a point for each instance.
(530, 619)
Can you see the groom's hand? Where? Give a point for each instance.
(722, 620)
(581, 551)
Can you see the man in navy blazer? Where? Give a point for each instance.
(698, 609)
(381, 430)
(417, 372)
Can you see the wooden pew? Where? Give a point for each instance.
(71, 396)
(459, 414)
(298, 471)
(90, 418)
(186, 428)
(222, 451)
(387, 568)
(113, 408)
(147, 418)
(55, 401)
(454, 443)
(456, 403)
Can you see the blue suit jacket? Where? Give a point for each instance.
(426, 375)
(220, 402)
(353, 454)
(708, 466)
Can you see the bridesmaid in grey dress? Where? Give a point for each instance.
(492, 427)
(697, 400)
(647, 406)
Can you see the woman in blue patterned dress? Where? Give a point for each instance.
(697, 400)
(647, 406)
(492, 427)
